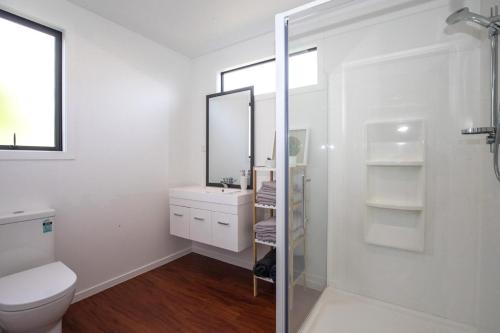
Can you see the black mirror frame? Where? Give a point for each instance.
(252, 153)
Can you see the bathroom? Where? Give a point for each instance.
(398, 209)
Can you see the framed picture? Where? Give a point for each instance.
(298, 144)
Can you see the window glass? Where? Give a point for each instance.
(28, 83)
(262, 75)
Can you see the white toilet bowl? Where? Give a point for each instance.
(35, 300)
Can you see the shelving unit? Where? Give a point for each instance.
(264, 206)
(395, 204)
(296, 203)
(265, 243)
(270, 172)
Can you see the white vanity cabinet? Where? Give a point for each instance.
(210, 216)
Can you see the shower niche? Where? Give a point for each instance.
(395, 186)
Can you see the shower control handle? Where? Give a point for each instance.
(479, 130)
(490, 131)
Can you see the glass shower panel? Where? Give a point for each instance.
(397, 205)
(307, 194)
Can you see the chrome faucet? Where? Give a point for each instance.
(224, 185)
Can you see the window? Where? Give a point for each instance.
(30, 85)
(262, 75)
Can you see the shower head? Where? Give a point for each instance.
(465, 14)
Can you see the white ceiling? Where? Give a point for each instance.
(193, 27)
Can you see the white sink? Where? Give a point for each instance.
(221, 190)
(228, 196)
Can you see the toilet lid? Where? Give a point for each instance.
(35, 287)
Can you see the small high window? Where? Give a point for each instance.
(30, 85)
(262, 75)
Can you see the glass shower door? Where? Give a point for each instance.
(399, 209)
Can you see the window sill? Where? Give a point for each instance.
(35, 155)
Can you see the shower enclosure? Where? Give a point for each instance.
(391, 224)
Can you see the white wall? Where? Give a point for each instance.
(418, 81)
(126, 99)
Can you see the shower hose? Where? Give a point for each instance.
(495, 152)
(493, 36)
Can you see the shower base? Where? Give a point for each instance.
(343, 312)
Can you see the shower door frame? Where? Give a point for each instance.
(282, 161)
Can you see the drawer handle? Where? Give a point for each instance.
(179, 215)
(199, 219)
(222, 223)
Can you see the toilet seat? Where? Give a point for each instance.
(35, 287)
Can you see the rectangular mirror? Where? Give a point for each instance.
(230, 142)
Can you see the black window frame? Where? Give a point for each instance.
(58, 55)
(311, 49)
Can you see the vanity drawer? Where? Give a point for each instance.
(179, 221)
(199, 226)
(225, 231)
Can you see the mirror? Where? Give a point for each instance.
(230, 142)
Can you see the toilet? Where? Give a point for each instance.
(35, 290)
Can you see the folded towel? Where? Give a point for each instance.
(267, 193)
(266, 230)
(267, 239)
(267, 189)
(263, 267)
(272, 273)
(266, 203)
(264, 196)
(266, 233)
(260, 197)
(270, 222)
(269, 184)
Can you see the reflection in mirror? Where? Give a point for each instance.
(230, 138)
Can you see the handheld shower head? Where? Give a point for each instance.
(465, 14)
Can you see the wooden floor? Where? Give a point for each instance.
(192, 294)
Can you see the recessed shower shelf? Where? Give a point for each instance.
(393, 205)
(395, 187)
(396, 163)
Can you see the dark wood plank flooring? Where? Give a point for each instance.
(191, 294)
